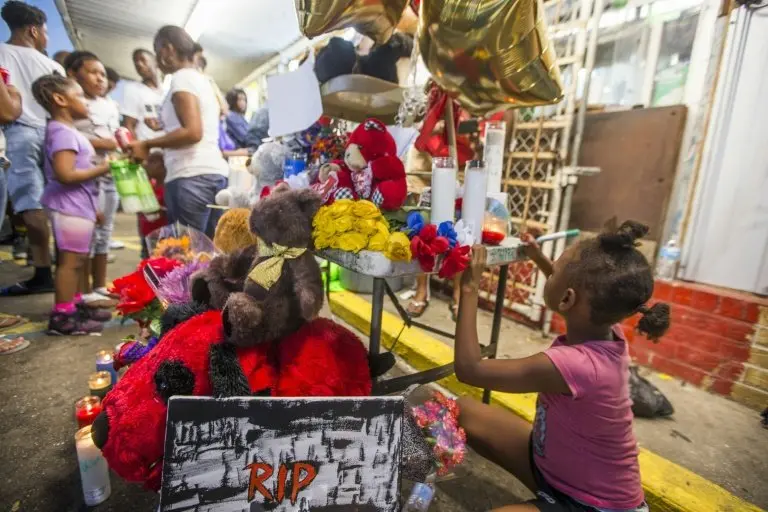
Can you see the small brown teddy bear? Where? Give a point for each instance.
(283, 286)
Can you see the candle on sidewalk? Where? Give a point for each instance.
(94, 472)
(86, 410)
(100, 383)
(105, 362)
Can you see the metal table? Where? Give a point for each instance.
(377, 266)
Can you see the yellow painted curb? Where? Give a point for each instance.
(668, 486)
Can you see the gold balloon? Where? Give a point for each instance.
(490, 54)
(376, 19)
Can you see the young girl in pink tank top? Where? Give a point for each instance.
(580, 454)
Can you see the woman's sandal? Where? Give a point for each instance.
(416, 308)
(454, 307)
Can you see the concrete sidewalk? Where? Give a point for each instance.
(719, 440)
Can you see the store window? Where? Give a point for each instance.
(643, 53)
(674, 59)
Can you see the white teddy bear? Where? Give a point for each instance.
(266, 166)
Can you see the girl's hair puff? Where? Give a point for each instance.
(618, 279)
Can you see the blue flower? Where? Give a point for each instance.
(415, 222)
(446, 230)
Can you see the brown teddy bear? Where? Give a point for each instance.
(269, 290)
(227, 272)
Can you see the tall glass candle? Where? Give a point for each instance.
(443, 192)
(493, 153)
(100, 383)
(473, 203)
(105, 363)
(86, 410)
(94, 472)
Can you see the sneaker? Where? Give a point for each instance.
(105, 292)
(74, 324)
(116, 245)
(111, 258)
(98, 314)
(20, 248)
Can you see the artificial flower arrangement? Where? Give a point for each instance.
(429, 242)
(354, 226)
(137, 299)
(438, 420)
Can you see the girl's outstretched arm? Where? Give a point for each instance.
(536, 373)
(65, 172)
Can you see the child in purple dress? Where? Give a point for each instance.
(70, 197)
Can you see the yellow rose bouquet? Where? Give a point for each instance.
(355, 226)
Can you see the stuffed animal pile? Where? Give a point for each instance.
(252, 329)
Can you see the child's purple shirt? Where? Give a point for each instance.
(78, 200)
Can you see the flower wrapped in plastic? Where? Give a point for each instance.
(438, 418)
(137, 297)
(179, 242)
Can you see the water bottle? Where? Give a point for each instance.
(669, 258)
(420, 498)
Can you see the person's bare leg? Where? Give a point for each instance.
(85, 276)
(419, 301)
(500, 436)
(39, 236)
(68, 274)
(99, 271)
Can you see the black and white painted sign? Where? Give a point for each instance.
(277, 454)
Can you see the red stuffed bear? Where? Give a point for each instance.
(322, 358)
(370, 169)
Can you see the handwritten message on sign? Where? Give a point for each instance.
(254, 454)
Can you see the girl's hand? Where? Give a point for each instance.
(103, 167)
(474, 273)
(99, 218)
(138, 150)
(531, 247)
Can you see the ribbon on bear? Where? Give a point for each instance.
(266, 273)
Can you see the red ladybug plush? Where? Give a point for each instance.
(322, 358)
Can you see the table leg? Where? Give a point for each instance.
(498, 312)
(374, 345)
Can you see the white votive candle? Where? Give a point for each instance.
(473, 202)
(94, 472)
(443, 200)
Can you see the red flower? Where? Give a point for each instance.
(423, 253)
(428, 233)
(455, 262)
(440, 245)
(135, 294)
(437, 244)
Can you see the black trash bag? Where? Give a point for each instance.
(647, 400)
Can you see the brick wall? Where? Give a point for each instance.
(718, 340)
